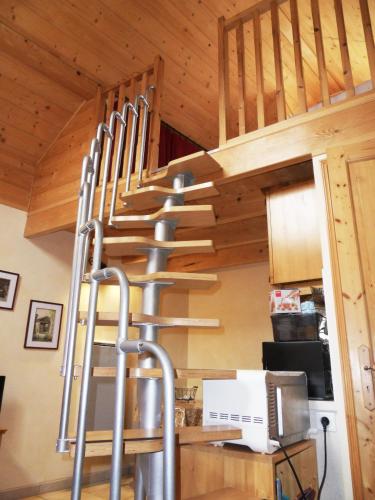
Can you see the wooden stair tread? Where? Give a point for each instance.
(120, 246)
(224, 494)
(139, 319)
(180, 373)
(152, 196)
(178, 280)
(185, 216)
(199, 164)
(99, 443)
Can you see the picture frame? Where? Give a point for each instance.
(43, 325)
(8, 289)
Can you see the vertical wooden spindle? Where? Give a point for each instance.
(344, 51)
(223, 81)
(154, 136)
(301, 89)
(241, 79)
(320, 52)
(369, 37)
(280, 94)
(259, 71)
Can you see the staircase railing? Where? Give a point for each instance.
(87, 224)
(269, 53)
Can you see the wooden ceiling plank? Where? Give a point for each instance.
(26, 121)
(16, 71)
(11, 161)
(25, 144)
(21, 96)
(247, 253)
(15, 177)
(14, 196)
(48, 64)
(23, 17)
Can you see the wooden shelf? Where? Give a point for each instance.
(139, 319)
(199, 164)
(180, 373)
(99, 443)
(151, 196)
(178, 280)
(121, 246)
(184, 216)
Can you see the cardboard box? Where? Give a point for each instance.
(285, 301)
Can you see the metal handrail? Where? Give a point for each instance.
(96, 226)
(67, 368)
(141, 346)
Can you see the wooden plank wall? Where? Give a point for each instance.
(54, 194)
(58, 173)
(16, 178)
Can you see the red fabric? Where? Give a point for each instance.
(174, 145)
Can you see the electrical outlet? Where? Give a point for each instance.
(318, 415)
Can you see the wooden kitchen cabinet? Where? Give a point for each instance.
(293, 233)
(206, 468)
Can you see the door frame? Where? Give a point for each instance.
(348, 289)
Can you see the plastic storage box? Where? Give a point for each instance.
(289, 327)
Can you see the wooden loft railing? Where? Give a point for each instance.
(113, 98)
(268, 55)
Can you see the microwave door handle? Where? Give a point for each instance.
(279, 406)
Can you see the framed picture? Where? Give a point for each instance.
(43, 325)
(8, 288)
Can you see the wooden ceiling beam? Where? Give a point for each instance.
(23, 48)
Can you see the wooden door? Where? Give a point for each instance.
(349, 175)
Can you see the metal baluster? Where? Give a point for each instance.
(67, 369)
(141, 346)
(146, 105)
(125, 110)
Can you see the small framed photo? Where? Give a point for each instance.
(8, 289)
(43, 325)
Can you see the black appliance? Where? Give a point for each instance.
(2, 382)
(311, 357)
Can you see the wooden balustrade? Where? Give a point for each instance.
(113, 99)
(275, 55)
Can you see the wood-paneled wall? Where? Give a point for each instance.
(16, 178)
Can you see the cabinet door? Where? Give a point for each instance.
(293, 233)
(305, 466)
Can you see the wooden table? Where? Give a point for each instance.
(206, 468)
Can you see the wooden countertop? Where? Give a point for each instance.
(247, 454)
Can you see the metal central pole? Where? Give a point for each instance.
(149, 470)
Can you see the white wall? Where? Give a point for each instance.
(240, 302)
(33, 386)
